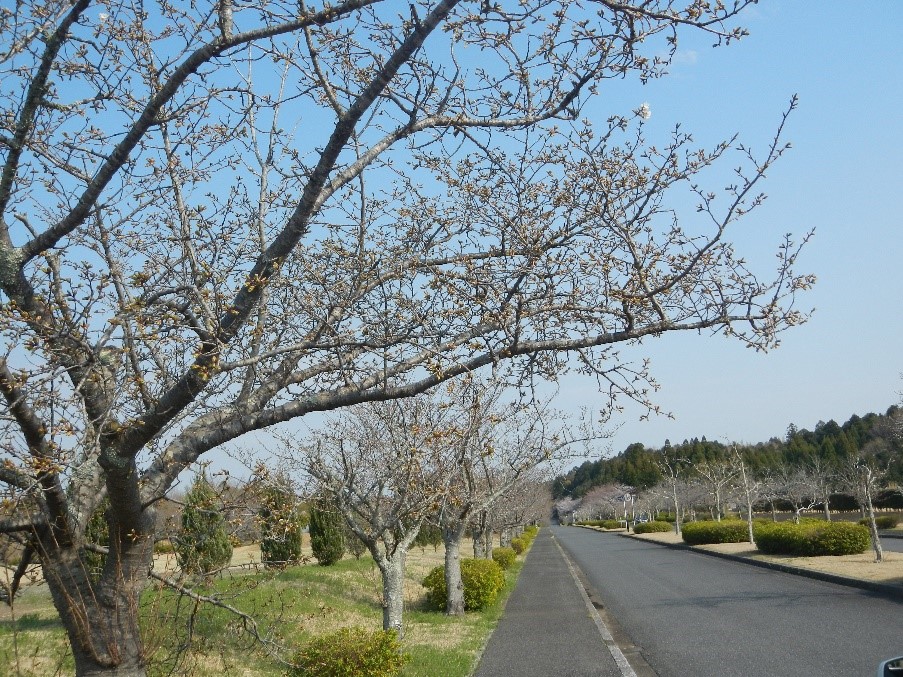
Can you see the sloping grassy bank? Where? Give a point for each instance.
(289, 607)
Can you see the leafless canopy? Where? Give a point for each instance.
(216, 217)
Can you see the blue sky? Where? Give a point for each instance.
(843, 177)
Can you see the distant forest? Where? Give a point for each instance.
(638, 466)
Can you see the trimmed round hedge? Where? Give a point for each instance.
(811, 539)
(882, 521)
(483, 580)
(351, 652)
(604, 524)
(702, 533)
(504, 557)
(652, 527)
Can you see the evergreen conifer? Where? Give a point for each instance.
(203, 544)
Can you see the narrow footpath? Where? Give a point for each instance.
(549, 627)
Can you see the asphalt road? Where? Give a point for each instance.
(892, 544)
(691, 615)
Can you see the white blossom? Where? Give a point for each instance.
(644, 111)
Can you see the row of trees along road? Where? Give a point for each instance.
(218, 217)
(455, 457)
(857, 465)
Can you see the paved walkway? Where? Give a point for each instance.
(549, 628)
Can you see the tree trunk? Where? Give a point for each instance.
(392, 571)
(827, 508)
(873, 528)
(479, 551)
(454, 586)
(101, 618)
(749, 519)
(676, 512)
(505, 538)
(487, 543)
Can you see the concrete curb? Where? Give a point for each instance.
(890, 590)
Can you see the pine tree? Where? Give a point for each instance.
(282, 522)
(203, 544)
(327, 532)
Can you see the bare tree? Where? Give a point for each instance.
(604, 500)
(674, 471)
(750, 487)
(529, 501)
(863, 475)
(717, 477)
(824, 480)
(386, 466)
(565, 508)
(798, 487)
(653, 500)
(496, 453)
(216, 217)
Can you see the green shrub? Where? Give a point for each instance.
(811, 539)
(351, 652)
(504, 557)
(666, 517)
(604, 524)
(840, 538)
(652, 527)
(780, 538)
(701, 533)
(531, 531)
(483, 580)
(164, 547)
(327, 532)
(518, 544)
(883, 521)
(282, 524)
(203, 545)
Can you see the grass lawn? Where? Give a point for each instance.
(290, 607)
